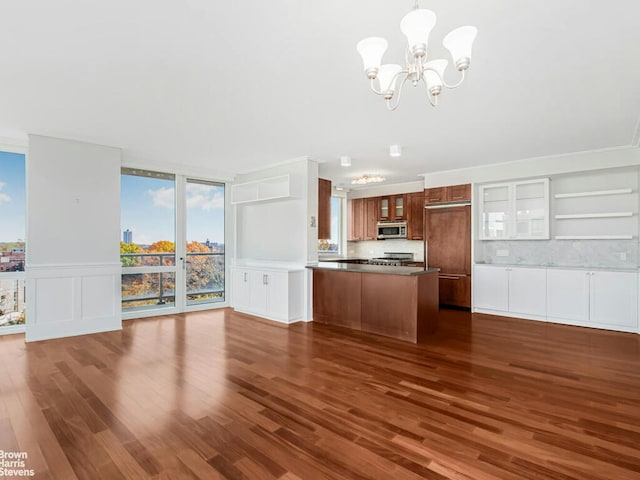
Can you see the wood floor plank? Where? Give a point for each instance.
(216, 394)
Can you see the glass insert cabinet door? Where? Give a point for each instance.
(515, 210)
(494, 211)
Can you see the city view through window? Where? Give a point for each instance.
(148, 250)
(12, 234)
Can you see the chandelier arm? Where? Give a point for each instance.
(373, 88)
(433, 99)
(457, 84)
(393, 107)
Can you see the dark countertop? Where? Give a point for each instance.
(354, 267)
(335, 258)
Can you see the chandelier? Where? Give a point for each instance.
(416, 26)
(366, 179)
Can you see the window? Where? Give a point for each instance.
(172, 247)
(332, 245)
(12, 244)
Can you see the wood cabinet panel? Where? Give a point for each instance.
(371, 218)
(415, 216)
(452, 193)
(355, 219)
(324, 208)
(448, 232)
(455, 290)
(337, 298)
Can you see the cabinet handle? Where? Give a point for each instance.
(245, 277)
(450, 277)
(265, 279)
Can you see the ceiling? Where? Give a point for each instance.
(231, 87)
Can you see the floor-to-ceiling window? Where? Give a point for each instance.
(12, 243)
(172, 246)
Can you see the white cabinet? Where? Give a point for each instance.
(491, 288)
(593, 298)
(517, 290)
(514, 210)
(277, 294)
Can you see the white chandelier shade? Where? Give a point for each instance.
(416, 26)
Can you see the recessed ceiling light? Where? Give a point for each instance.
(345, 161)
(395, 150)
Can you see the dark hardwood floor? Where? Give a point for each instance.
(222, 395)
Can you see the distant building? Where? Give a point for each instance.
(127, 236)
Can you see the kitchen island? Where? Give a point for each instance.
(398, 302)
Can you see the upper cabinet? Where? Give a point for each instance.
(355, 219)
(514, 210)
(450, 194)
(392, 207)
(415, 216)
(362, 219)
(324, 209)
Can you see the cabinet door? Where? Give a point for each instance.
(455, 290)
(324, 209)
(370, 219)
(277, 295)
(491, 288)
(415, 216)
(355, 219)
(384, 211)
(458, 193)
(435, 195)
(398, 207)
(528, 291)
(241, 288)
(531, 209)
(258, 279)
(495, 209)
(613, 298)
(568, 295)
(448, 235)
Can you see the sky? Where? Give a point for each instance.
(148, 210)
(12, 197)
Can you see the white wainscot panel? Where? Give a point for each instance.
(98, 299)
(67, 300)
(54, 300)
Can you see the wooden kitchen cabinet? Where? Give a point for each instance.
(448, 237)
(324, 209)
(371, 218)
(415, 216)
(355, 219)
(452, 193)
(392, 207)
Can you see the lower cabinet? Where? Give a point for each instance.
(591, 298)
(273, 294)
(597, 298)
(514, 290)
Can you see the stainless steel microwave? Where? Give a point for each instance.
(388, 230)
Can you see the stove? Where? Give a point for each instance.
(393, 259)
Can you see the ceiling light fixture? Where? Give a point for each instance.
(416, 25)
(395, 151)
(345, 161)
(365, 179)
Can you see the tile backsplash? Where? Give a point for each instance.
(376, 248)
(562, 253)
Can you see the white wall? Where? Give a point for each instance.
(537, 167)
(73, 228)
(280, 230)
(382, 190)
